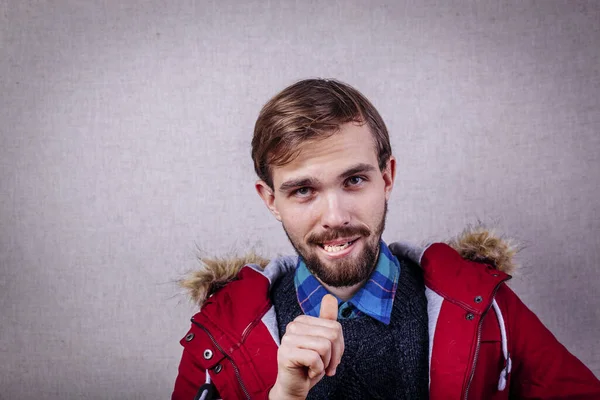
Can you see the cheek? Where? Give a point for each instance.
(370, 206)
(298, 220)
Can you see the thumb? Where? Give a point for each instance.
(329, 308)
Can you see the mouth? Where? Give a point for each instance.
(339, 247)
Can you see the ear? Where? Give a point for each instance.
(389, 176)
(268, 197)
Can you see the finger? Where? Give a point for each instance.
(308, 320)
(329, 308)
(333, 333)
(329, 311)
(320, 344)
(337, 351)
(299, 357)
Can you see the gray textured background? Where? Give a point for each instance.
(124, 143)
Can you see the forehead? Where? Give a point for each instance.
(327, 158)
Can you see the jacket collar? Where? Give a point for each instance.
(470, 284)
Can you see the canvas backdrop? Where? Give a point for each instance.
(125, 129)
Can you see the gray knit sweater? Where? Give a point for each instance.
(380, 361)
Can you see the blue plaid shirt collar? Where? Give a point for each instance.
(374, 299)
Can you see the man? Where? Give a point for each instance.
(351, 317)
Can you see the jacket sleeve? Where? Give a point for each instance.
(542, 368)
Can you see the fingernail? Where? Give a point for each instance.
(333, 372)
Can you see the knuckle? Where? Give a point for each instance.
(303, 320)
(285, 340)
(291, 327)
(300, 318)
(323, 346)
(315, 359)
(334, 335)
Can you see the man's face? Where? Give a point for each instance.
(332, 201)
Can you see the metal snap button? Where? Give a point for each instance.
(469, 316)
(478, 299)
(189, 337)
(218, 368)
(207, 354)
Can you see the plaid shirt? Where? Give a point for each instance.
(375, 298)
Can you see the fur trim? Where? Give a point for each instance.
(214, 273)
(479, 244)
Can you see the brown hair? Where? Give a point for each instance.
(308, 110)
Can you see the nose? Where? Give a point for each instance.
(335, 212)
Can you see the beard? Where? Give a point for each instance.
(346, 271)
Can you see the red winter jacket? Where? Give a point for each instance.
(484, 342)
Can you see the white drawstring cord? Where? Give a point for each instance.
(507, 361)
(205, 392)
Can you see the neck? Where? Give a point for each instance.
(343, 293)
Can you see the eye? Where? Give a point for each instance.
(302, 192)
(354, 181)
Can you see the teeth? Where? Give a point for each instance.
(335, 249)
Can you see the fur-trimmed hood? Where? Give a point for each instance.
(476, 243)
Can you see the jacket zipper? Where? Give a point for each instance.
(235, 368)
(252, 324)
(479, 327)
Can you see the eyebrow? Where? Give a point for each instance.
(296, 183)
(307, 181)
(357, 169)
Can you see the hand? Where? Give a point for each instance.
(310, 349)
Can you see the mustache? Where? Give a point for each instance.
(341, 232)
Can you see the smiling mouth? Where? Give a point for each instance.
(337, 246)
